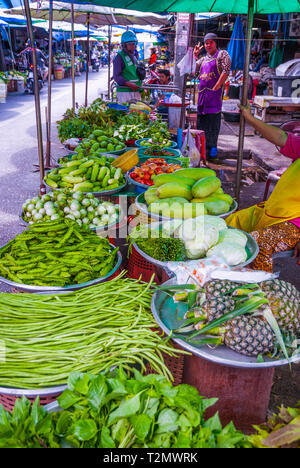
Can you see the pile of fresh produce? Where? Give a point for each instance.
(251, 319)
(86, 175)
(91, 330)
(191, 239)
(86, 210)
(146, 171)
(81, 123)
(56, 253)
(158, 151)
(117, 410)
(156, 141)
(97, 143)
(208, 236)
(187, 193)
(281, 430)
(134, 127)
(154, 241)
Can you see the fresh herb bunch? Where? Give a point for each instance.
(156, 244)
(116, 410)
(74, 128)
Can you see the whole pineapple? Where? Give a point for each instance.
(284, 301)
(215, 302)
(249, 336)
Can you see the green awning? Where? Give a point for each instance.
(196, 6)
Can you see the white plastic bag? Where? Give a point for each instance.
(190, 150)
(188, 63)
(174, 112)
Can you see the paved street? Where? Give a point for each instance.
(18, 144)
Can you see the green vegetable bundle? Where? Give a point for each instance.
(56, 253)
(90, 330)
(86, 175)
(99, 142)
(114, 410)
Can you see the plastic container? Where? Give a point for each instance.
(127, 160)
(176, 153)
(138, 143)
(59, 73)
(117, 107)
(286, 86)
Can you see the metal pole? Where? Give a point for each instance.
(36, 98)
(109, 60)
(189, 41)
(50, 58)
(73, 56)
(87, 60)
(244, 99)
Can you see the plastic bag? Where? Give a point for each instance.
(188, 63)
(174, 112)
(190, 150)
(206, 269)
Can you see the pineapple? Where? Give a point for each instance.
(215, 303)
(284, 301)
(249, 336)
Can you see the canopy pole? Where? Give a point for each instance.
(244, 99)
(109, 60)
(73, 56)
(189, 43)
(36, 98)
(50, 59)
(87, 60)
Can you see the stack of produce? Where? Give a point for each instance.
(251, 319)
(191, 239)
(133, 127)
(97, 143)
(90, 330)
(86, 210)
(156, 140)
(86, 175)
(56, 253)
(145, 173)
(117, 410)
(187, 193)
(81, 123)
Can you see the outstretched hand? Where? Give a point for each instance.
(197, 50)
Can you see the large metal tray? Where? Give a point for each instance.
(73, 287)
(142, 206)
(168, 314)
(252, 250)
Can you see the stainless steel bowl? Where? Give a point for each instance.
(168, 314)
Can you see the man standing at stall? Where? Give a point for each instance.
(125, 69)
(213, 69)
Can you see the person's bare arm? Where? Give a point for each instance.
(269, 132)
(221, 81)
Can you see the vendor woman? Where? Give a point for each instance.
(214, 69)
(275, 223)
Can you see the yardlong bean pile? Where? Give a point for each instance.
(45, 337)
(56, 253)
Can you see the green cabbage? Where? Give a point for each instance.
(232, 253)
(233, 235)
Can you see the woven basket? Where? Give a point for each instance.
(9, 396)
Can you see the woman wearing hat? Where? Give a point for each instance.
(213, 69)
(125, 69)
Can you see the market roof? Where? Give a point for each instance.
(194, 6)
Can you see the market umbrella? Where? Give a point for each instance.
(236, 46)
(97, 15)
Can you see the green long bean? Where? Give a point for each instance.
(45, 337)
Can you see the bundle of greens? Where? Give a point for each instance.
(157, 244)
(119, 411)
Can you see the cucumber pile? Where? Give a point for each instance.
(97, 143)
(86, 175)
(187, 193)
